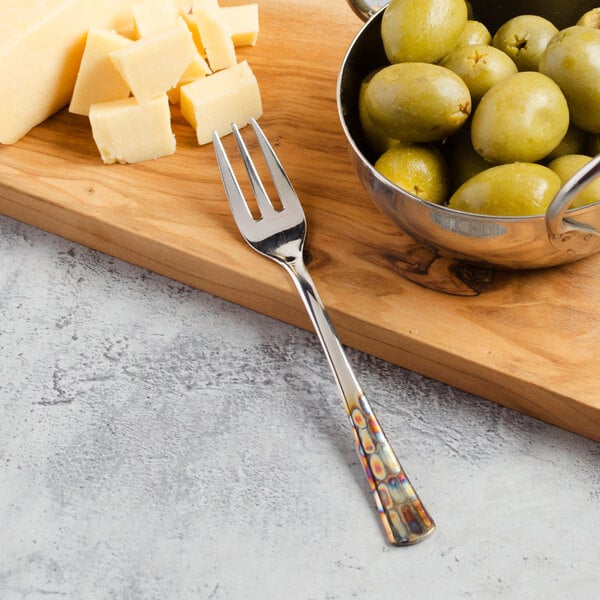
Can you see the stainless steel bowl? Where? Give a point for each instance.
(560, 236)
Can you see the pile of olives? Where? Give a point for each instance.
(483, 123)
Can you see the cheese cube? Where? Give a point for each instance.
(204, 4)
(155, 64)
(192, 23)
(41, 45)
(127, 131)
(242, 23)
(198, 68)
(98, 80)
(214, 102)
(185, 6)
(214, 34)
(151, 16)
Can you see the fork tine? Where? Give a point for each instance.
(285, 189)
(235, 197)
(262, 199)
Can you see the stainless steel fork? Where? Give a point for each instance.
(279, 235)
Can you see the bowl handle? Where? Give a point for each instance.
(365, 9)
(567, 234)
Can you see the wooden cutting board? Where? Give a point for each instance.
(526, 340)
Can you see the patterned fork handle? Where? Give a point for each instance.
(402, 513)
(405, 519)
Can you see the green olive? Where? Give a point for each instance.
(422, 30)
(417, 102)
(566, 166)
(417, 168)
(572, 59)
(524, 38)
(377, 139)
(518, 189)
(574, 142)
(590, 19)
(463, 161)
(522, 118)
(473, 34)
(480, 67)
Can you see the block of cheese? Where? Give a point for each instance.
(41, 44)
(242, 23)
(197, 68)
(127, 131)
(151, 16)
(185, 6)
(98, 80)
(213, 103)
(203, 4)
(214, 34)
(155, 64)
(192, 23)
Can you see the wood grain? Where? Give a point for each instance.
(528, 340)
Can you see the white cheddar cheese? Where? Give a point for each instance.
(41, 44)
(214, 34)
(197, 68)
(98, 80)
(242, 23)
(151, 16)
(204, 4)
(155, 64)
(185, 6)
(192, 23)
(127, 131)
(213, 103)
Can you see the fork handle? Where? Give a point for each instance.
(405, 519)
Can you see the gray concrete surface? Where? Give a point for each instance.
(159, 443)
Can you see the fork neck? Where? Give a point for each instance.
(344, 376)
